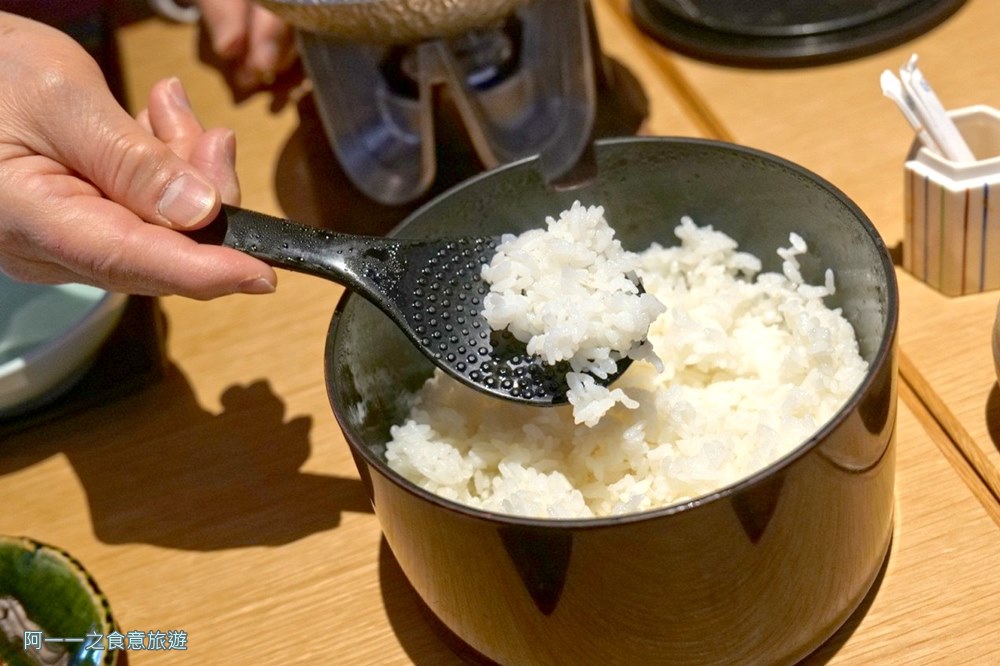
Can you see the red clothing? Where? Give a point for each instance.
(89, 22)
(53, 12)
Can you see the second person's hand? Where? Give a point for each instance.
(252, 45)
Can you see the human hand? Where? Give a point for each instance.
(251, 46)
(89, 194)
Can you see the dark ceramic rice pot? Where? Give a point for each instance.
(762, 571)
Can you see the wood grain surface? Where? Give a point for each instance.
(223, 500)
(834, 120)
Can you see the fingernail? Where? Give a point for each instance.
(256, 286)
(186, 201)
(176, 90)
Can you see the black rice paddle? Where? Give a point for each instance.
(431, 289)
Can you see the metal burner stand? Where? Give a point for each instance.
(524, 86)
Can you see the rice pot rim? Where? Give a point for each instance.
(881, 356)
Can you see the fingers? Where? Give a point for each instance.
(58, 105)
(271, 46)
(102, 244)
(214, 154)
(160, 261)
(172, 120)
(255, 45)
(143, 119)
(80, 179)
(227, 24)
(132, 166)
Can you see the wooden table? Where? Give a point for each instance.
(835, 121)
(223, 501)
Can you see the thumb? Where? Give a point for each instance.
(137, 170)
(60, 106)
(131, 166)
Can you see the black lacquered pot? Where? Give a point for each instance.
(762, 571)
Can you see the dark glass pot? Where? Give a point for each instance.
(762, 571)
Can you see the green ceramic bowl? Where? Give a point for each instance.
(44, 588)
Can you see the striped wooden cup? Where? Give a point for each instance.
(952, 223)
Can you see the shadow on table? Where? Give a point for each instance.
(993, 415)
(159, 469)
(896, 254)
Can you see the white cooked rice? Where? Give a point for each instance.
(568, 292)
(752, 364)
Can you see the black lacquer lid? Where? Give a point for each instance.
(787, 33)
